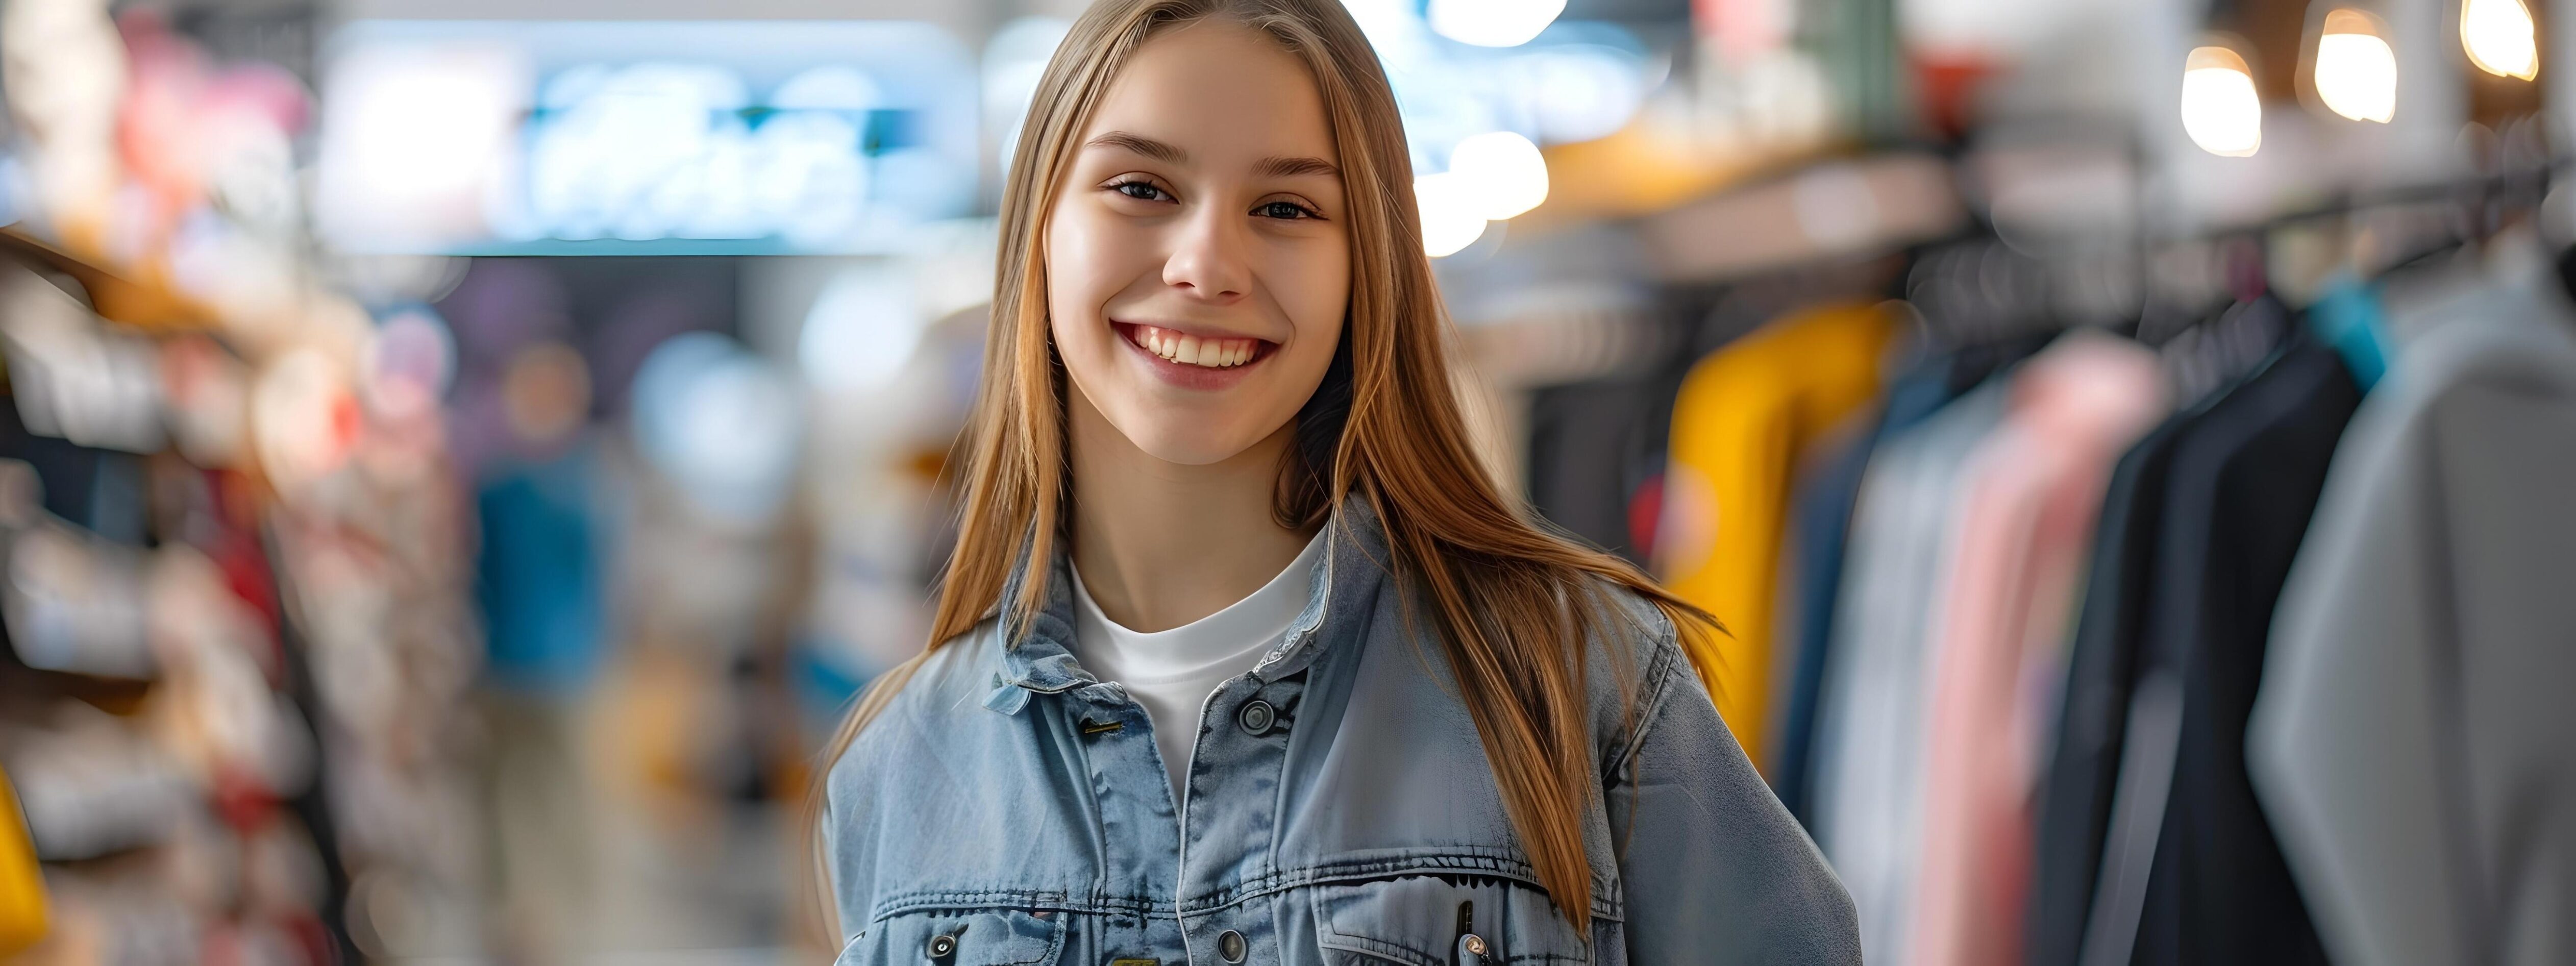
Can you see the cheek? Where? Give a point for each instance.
(1083, 266)
(1313, 286)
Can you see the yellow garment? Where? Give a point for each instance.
(22, 885)
(1745, 418)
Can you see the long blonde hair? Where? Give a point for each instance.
(1513, 603)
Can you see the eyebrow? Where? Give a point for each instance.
(1170, 153)
(1293, 167)
(1163, 151)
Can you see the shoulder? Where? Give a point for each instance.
(935, 702)
(945, 755)
(1634, 665)
(933, 721)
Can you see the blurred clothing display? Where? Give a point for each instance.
(2411, 735)
(2206, 883)
(2024, 512)
(2102, 668)
(1746, 418)
(2039, 678)
(1824, 511)
(1868, 814)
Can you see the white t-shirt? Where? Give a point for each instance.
(1172, 672)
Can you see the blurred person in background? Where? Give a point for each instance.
(540, 590)
(1277, 669)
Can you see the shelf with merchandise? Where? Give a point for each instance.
(143, 299)
(234, 644)
(274, 546)
(155, 728)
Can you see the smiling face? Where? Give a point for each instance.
(1197, 258)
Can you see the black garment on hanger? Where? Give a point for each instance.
(2244, 481)
(2077, 793)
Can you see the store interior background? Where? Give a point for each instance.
(466, 454)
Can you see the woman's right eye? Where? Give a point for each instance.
(1139, 190)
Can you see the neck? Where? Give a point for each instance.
(1161, 544)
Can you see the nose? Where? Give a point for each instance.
(1208, 259)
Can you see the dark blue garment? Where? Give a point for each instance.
(538, 575)
(1824, 509)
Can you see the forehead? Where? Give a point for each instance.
(1223, 92)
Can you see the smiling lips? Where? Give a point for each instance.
(1191, 350)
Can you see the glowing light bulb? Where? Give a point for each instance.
(2356, 69)
(1492, 23)
(2498, 34)
(1503, 172)
(2220, 109)
(1451, 217)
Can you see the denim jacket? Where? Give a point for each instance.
(1009, 808)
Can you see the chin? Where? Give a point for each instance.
(1187, 436)
(1190, 446)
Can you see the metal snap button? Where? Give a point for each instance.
(1230, 946)
(1472, 950)
(1257, 717)
(942, 947)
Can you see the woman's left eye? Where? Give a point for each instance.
(1284, 209)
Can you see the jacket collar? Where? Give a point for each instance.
(1036, 655)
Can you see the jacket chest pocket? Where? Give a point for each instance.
(1440, 921)
(1004, 937)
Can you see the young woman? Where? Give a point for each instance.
(1241, 657)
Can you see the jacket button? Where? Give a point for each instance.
(942, 947)
(1229, 946)
(1472, 950)
(1256, 718)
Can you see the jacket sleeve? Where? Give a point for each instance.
(1713, 869)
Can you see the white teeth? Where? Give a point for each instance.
(1196, 351)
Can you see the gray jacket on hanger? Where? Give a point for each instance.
(2412, 738)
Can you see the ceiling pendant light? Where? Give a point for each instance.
(2220, 109)
(2500, 37)
(2356, 69)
